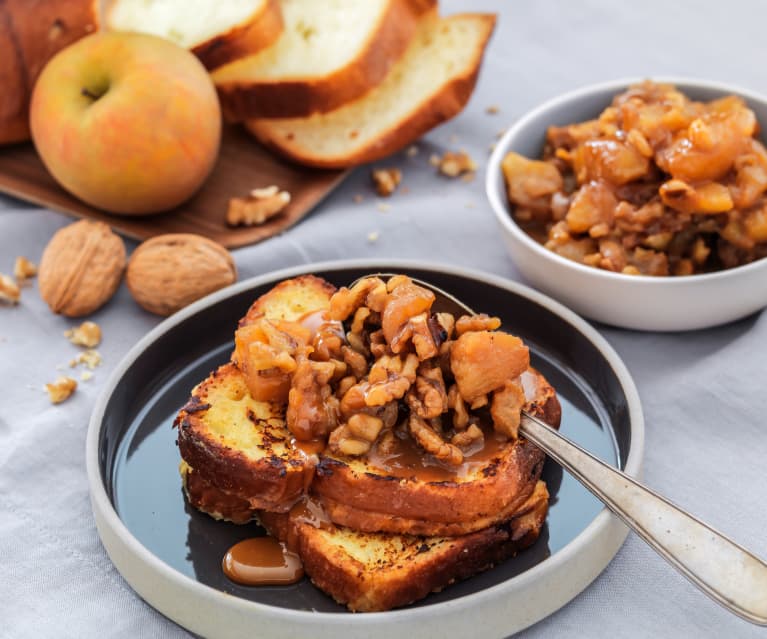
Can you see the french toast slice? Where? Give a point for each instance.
(240, 445)
(379, 571)
(356, 492)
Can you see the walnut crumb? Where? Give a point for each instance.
(61, 389)
(492, 109)
(381, 206)
(10, 293)
(412, 151)
(23, 269)
(90, 359)
(454, 164)
(86, 376)
(88, 334)
(373, 237)
(386, 180)
(260, 206)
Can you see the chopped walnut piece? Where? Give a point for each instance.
(86, 376)
(355, 361)
(342, 441)
(479, 322)
(346, 301)
(389, 379)
(9, 290)
(411, 151)
(468, 437)
(312, 408)
(90, 359)
(61, 389)
(452, 164)
(88, 334)
(23, 269)
(366, 427)
(431, 441)
(460, 412)
(386, 180)
(258, 207)
(492, 109)
(428, 397)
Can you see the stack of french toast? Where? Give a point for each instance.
(327, 84)
(373, 436)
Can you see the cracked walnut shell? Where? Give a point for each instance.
(81, 268)
(169, 272)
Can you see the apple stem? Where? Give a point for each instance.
(88, 94)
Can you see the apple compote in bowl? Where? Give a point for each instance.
(640, 203)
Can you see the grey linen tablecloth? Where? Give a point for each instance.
(703, 392)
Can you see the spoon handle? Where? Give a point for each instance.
(726, 572)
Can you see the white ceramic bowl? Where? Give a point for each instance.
(630, 301)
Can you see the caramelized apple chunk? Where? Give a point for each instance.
(483, 361)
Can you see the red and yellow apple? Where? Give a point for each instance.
(126, 122)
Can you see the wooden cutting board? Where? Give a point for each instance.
(242, 165)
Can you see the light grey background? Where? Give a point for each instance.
(703, 392)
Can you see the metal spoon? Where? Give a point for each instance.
(725, 571)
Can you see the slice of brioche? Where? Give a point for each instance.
(242, 446)
(378, 571)
(31, 32)
(216, 32)
(431, 83)
(356, 493)
(330, 52)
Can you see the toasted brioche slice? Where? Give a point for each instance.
(216, 32)
(430, 84)
(379, 571)
(31, 32)
(356, 492)
(329, 53)
(213, 501)
(242, 446)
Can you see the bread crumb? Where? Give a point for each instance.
(434, 160)
(358, 199)
(260, 206)
(381, 206)
(10, 293)
(88, 334)
(90, 359)
(373, 237)
(492, 109)
(386, 180)
(412, 151)
(23, 269)
(454, 164)
(61, 389)
(86, 376)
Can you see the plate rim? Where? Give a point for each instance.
(121, 544)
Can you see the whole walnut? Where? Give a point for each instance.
(171, 271)
(81, 268)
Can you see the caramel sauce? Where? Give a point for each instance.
(262, 561)
(405, 459)
(317, 321)
(309, 447)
